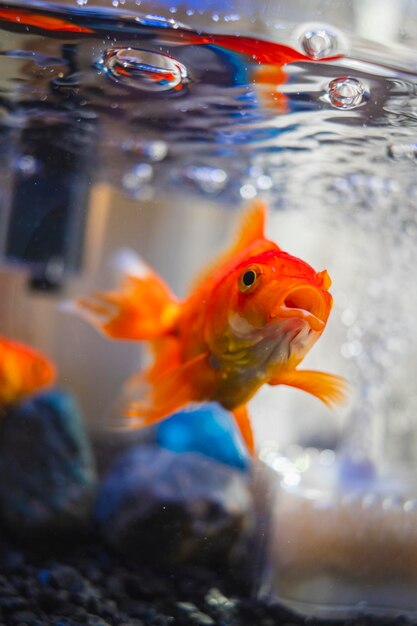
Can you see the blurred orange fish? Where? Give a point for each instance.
(250, 319)
(22, 371)
(39, 20)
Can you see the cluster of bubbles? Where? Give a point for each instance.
(313, 472)
(399, 151)
(151, 71)
(137, 181)
(210, 179)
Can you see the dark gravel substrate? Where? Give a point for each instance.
(88, 585)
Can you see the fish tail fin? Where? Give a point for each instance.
(242, 420)
(143, 308)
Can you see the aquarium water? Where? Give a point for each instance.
(148, 126)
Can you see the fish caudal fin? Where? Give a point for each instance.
(329, 388)
(160, 397)
(143, 308)
(242, 420)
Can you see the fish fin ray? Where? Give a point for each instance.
(250, 229)
(143, 308)
(241, 416)
(329, 388)
(252, 225)
(150, 399)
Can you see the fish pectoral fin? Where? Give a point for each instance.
(242, 420)
(329, 388)
(143, 308)
(159, 397)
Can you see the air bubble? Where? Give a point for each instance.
(144, 70)
(410, 506)
(27, 165)
(400, 151)
(209, 179)
(327, 457)
(319, 43)
(346, 93)
(136, 182)
(248, 192)
(351, 349)
(155, 150)
(392, 502)
(232, 18)
(264, 182)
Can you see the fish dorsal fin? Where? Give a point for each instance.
(250, 229)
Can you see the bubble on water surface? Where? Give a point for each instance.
(400, 151)
(319, 40)
(319, 43)
(144, 70)
(346, 93)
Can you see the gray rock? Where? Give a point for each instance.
(159, 506)
(47, 475)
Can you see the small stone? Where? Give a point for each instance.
(95, 620)
(159, 506)
(47, 475)
(195, 616)
(13, 604)
(24, 616)
(210, 430)
(66, 577)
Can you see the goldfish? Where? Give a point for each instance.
(23, 371)
(250, 319)
(26, 18)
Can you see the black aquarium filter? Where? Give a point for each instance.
(44, 212)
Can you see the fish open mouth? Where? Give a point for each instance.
(304, 302)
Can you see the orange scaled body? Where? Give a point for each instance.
(249, 320)
(22, 371)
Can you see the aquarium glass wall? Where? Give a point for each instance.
(208, 259)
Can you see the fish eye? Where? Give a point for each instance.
(248, 279)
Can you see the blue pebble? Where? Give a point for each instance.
(210, 430)
(44, 576)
